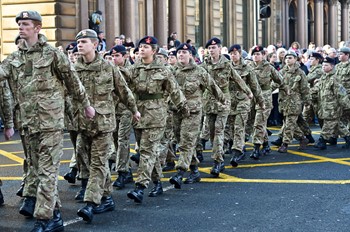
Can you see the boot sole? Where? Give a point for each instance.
(110, 208)
(192, 182)
(175, 183)
(84, 216)
(135, 198)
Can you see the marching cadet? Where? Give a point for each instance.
(241, 104)
(332, 98)
(290, 106)
(100, 79)
(223, 73)
(39, 72)
(151, 82)
(193, 80)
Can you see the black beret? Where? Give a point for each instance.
(213, 41)
(235, 47)
(148, 40)
(75, 49)
(329, 60)
(184, 46)
(71, 46)
(118, 49)
(172, 53)
(257, 49)
(29, 14)
(86, 33)
(227, 56)
(136, 50)
(316, 55)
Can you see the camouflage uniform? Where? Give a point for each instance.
(291, 106)
(310, 110)
(332, 99)
(100, 80)
(39, 73)
(343, 74)
(223, 74)
(241, 105)
(150, 83)
(193, 80)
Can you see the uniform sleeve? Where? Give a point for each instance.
(6, 104)
(67, 73)
(239, 81)
(175, 94)
(5, 68)
(304, 88)
(209, 84)
(123, 91)
(255, 87)
(278, 79)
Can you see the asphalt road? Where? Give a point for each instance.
(298, 191)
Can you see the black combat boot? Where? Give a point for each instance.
(283, 148)
(71, 175)
(332, 141)
(137, 193)
(20, 190)
(107, 204)
(256, 152)
(266, 148)
(194, 176)
(310, 138)
(203, 142)
(129, 178)
(200, 156)
(321, 144)
(169, 166)
(176, 180)
(228, 148)
(1, 198)
(136, 157)
(277, 142)
(235, 155)
(157, 189)
(53, 225)
(87, 212)
(80, 195)
(217, 168)
(28, 206)
(347, 142)
(119, 183)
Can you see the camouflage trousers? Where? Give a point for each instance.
(166, 151)
(44, 153)
(333, 128)
(205, 133)
(289, 126)
(260, 123)
(73, 138)
(93, 150)
(217, 124)
(345, 118)
(25, 163)
(186, 132)
(121, 138)
(235, 130)
(149, 166)
(309, 113)
(300, 131)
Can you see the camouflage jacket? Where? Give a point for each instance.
(151, 83)
(331, 96)
(267, 74)
(343, 75)
(193, 81)
(315, 72)
(296, 80)
(239, 100)
(121, 108)
(224, 75)
(38, 73)
(6, 104)
(101, 79)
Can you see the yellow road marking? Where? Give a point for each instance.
(11, 156)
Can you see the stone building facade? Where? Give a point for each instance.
(320, 21)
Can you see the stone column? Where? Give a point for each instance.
(332, 22)
(160, 27)
(319, 38)
(302, 23)
(284, 22)
(149, 18)
(128, 11)
(113, 20)
(344, 19)
(84, 14)
(175, 18)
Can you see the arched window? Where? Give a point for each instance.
(292, 21)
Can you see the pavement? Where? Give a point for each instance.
(298, 191)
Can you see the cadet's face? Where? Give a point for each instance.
(313, 61)
(27, 30)
(86, 46)
(273, 58)
(257, 57)
(172, 60)
(118, 59)
(214, 50)
(343, 56)
(327, 67)
(145, 51)
(235, 56)
(183, 56)
(109, 59)
(290, 60)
